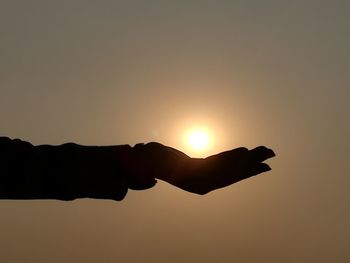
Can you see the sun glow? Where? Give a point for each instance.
(198, 141)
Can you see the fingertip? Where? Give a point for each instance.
(261, 153)
(259, 168)
(263, 167)
(271, 153)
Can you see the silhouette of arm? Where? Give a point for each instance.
(64, 172)
(71, 171)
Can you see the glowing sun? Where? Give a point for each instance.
(198, 141)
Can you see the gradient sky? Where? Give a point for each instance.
(113, 72)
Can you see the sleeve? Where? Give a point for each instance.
(63, 172)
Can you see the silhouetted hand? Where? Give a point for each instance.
(196, 175)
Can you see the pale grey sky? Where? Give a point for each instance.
(110, 72)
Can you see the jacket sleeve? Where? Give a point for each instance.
(63, 172)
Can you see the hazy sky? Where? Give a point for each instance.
(113, 72)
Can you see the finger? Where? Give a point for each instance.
(238, 151)
(258, 169)
(260, 154)
(261, 168)
(231, 154)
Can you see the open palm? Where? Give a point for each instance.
(198, 175)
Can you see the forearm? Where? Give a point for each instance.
(64, 172)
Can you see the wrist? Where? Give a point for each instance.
(137, 168)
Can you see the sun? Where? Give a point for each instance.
(198, 141)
